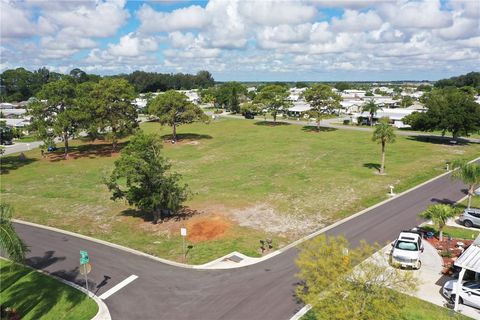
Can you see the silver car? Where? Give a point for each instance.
(470, 217)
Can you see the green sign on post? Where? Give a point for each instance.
(84, 257)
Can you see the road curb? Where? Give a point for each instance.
(102, 313)
(106, 243)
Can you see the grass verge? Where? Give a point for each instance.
(266, 181)
(38, 296)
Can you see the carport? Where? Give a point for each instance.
(469, 260)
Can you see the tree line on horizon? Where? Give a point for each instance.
(21, 84)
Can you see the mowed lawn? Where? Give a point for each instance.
(260, 181)
(37, 296)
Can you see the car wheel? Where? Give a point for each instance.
(452, 298)
(468, 223)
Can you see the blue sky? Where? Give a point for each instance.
(322, 40)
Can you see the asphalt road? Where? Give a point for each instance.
(261, 291)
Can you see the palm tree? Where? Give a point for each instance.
(439, 214)
(383, 134)
(371, 107)
(10, 242)
(468, 173)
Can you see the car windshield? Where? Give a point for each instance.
(404, 245)
(472, 284)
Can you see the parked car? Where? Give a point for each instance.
(406, 250)
(477, 192)
(470, 217)
(469, 293)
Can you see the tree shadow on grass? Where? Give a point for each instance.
(9, 163)
(271, 123)
(183, 214)
(440, 140)
(314, 129)
(37, 294)
(90, 151)
(186, 136)
(371, 165)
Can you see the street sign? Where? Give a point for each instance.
(85, 269)
(183, 232)
(84, 258)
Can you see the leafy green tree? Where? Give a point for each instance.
(342, 86)
(275, 98)
(116, 114)
(383, 134)
(79, 75)
(91, 121)
(173, 108)
(249, 108)
(439, 214)
(406, 102)
(229, 95)
(143, 178)
(468, 173)
(56, 113)
(322, 101)
(6, 133)
(372, 108)
(449, 110)
(471, 79)
(10, 242)
(208, 95)
(339, 283)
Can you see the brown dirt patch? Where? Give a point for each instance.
(207, 228)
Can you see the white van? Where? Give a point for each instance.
(406, 250)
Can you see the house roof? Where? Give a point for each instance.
(470, 258)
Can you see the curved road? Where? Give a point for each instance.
(261, 291)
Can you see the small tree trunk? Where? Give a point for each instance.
(65, 141)
(440, 231)
(174, 135)
(114, 139)
(371, 120)
(274, 118)
(470, 194)
(156, 216)
(382, 166)
(318, 124)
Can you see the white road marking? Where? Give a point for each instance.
(119, 286)
(301, 312)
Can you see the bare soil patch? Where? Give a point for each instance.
(206, 228)
(263, 217)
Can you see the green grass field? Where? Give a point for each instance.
(416, 309)
(265, 181)
(37, 296)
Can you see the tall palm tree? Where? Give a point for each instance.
(468, 173)
(439, 214)
(10, 242)
(383, 134)
(372, 108)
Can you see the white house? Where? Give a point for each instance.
(395, 115)
(17, 123)
(9, 113)
(298, 108)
